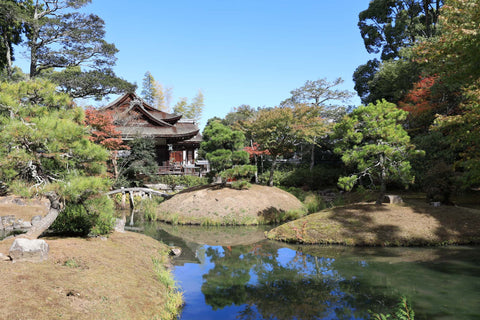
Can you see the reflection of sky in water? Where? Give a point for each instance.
(285, 256)
(190, 278)
(344, 287)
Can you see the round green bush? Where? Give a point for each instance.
(95, 216)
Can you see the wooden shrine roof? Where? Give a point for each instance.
(135, 117)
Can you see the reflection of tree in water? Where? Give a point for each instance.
(304, 287)
(226, 282)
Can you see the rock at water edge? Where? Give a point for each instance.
(29, 250)
(119, 225)
(175, 251)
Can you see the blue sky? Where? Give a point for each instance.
(236, 51)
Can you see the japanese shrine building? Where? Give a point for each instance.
(176, 140)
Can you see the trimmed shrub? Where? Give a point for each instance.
(74, 220)
(278, 177)
(95, 217)
(241, 185)
(187, 181)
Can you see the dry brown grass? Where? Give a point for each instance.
(219, 206)
(22, 208)
(365, 224)
(86, 279)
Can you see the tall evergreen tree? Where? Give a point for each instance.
(11, 28)
(388, 26)
(63, 44)
(149, 89)
(373, 139)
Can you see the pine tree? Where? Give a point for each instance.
(373, 139)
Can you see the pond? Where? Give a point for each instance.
(233, 273)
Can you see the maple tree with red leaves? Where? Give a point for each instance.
(422, 103)
(255, 150)
(105, 133)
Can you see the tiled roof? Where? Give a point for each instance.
(136, 118)
(123, 101)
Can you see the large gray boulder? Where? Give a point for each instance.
(35, 250)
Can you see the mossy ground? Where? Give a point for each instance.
(413, 223)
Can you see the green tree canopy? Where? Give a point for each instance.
(218, 136)
(373, 140)
(453, 56)
(389, 27)
(63, 45)
(275, 130)
(43, 138)
(45, 149)
(222, 147)
(89, 84)
(317, 104)
(191, 110)
(139, 164)
(392, 80)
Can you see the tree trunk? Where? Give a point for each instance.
(272, 169)
(46, 222)
(114, 155)
(8, 57)
(426, 4)
(132, 206)
(256, 168)
(34, 33)
(312, 156)
(255, 157)
(261, 165)
(383, 182)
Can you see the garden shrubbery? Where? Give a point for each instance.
(172, 181)
(321, 176)
(93, 217)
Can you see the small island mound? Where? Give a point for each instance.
(226, 206)
(367, 224)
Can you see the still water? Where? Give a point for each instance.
(233, 273)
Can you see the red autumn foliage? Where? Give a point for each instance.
(423, 104)
(420, 100)
(254, 150)
(103, 131)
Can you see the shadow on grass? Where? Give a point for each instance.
(361, 228)
(457, 225)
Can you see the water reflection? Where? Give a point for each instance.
(275, 284)
(269, 280)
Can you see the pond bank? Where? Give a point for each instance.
(413, 223)
(119, 277)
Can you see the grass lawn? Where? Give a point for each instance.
(414, 223)
(121, 277)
